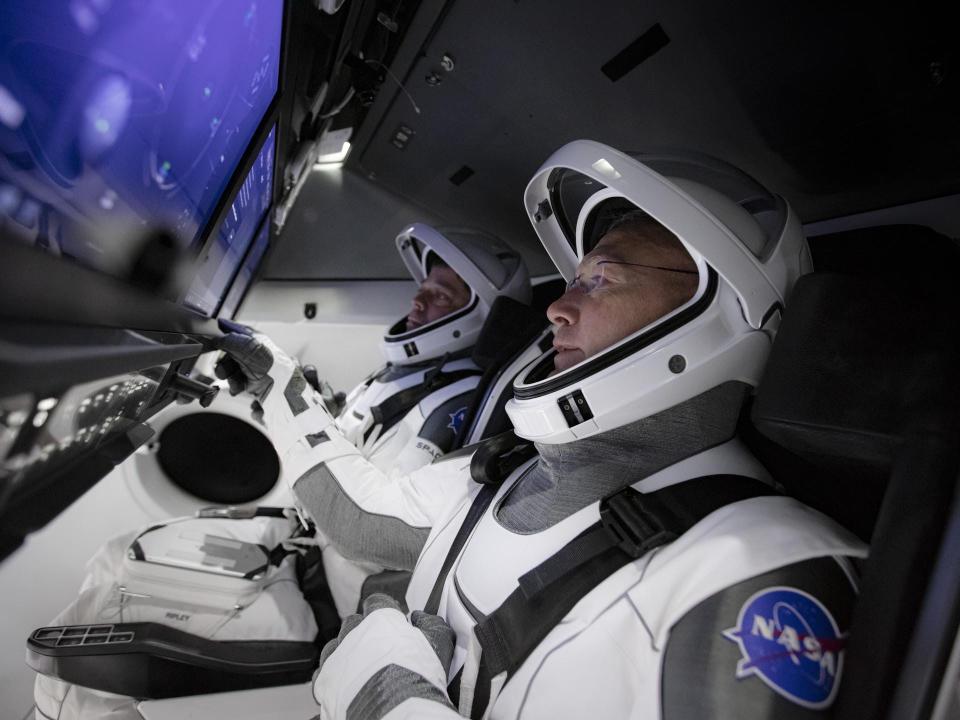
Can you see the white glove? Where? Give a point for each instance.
(380, 660)
(253, 363)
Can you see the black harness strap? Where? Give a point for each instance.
(391, 411)
(493, 461)
(631, 524)
(480, 504)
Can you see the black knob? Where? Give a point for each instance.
(194, 389)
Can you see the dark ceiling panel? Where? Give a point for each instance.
(838, 110)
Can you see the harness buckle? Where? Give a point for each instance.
(638, 523)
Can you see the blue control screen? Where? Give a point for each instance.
(118, 115)
(229, 244)
(247, 271)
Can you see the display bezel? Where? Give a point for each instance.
(257, 145)
(270, 119)
(254, 275)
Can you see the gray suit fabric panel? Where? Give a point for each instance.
(389, 687)
(357, 534)
(700, 664)
(442, 425)
(570, 476)
(293, 392)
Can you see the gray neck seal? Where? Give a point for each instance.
(570, 476)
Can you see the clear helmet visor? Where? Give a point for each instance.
(727, 222)
(594, 211)
(483, 262)
(585, 206)
(747, 248)
(487, 267)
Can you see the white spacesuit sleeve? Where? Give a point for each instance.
(368, 514)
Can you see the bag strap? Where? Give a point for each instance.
(631, 525)
(272, 556)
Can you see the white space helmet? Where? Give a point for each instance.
(749, 250)
(484, 263)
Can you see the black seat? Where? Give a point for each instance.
(509, 330)
(858, 415)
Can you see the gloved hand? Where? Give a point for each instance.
(246, 362)
(334, 401)
(379, 660)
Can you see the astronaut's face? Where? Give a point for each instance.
(441, 293)
(635, 275)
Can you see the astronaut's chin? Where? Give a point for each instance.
(565, 359)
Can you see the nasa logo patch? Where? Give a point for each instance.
(789, 640)
(456, 419)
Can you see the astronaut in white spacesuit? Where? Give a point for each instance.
(401, 417)
(643, 565)
(410, 412)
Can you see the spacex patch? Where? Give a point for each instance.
(789, 640)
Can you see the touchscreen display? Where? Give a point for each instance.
(247, 272)
(222, 258)
(119, 115)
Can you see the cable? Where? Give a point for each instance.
(416, 109)
(340, 105)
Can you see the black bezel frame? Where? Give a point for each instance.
(255, 275)
(226, 201)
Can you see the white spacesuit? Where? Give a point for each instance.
(644, 565)
(402, 417)
(408, 413)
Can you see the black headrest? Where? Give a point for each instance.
(867, 346)
(509, 326)
(913, 254)
(858, 365)
(855, 366)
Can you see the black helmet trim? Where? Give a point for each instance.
(526, 391)
(391, 337)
